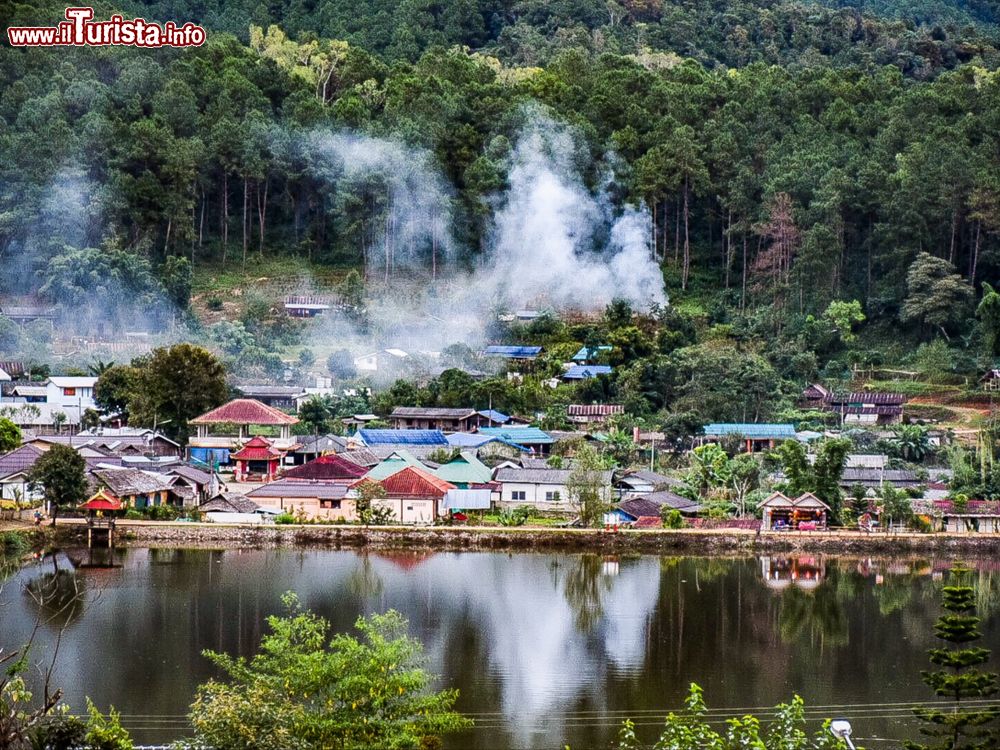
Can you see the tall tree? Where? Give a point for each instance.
(962, 726)
(61, 473)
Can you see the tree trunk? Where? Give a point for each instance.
(954, 226)
(262, 213)
(743, 293)
(687, 239)
(245, 196)
(729, 245)
(974, 258)
(654, 229)
(225, 216)
(677, 230)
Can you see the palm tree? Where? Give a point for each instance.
(99, 367)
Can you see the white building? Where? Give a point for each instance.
(68, 392)
(544, 489)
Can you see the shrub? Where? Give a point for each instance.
(13, 544)
(214, 303)
(672, 518)
(284, 519)
(134, 515)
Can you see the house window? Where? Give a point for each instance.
(518, 495)
(333, 504)
(552, 497)
(69, 391)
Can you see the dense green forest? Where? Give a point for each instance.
(792, 154)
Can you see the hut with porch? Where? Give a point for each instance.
(257, 461)
(806, 512)
(245, 414)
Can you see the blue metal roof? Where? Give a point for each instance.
(582, 372)
(402, 437)
(514, 352)
(519, 435)
(590, 352)
(755, 431)
(494, 416)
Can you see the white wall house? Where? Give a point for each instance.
(544, 489)
(71, 392)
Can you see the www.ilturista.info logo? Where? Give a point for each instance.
(78, 30)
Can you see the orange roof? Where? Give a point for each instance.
(245, 411)
(414, 482)
(257, 449)
(103, 500)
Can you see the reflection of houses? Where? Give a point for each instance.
(755, 436)
(804, 512)
(243, 413)
(859, 408)
(805, 573)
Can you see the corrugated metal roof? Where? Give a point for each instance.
(398, 461)
(586, 353)
(402, 437)
(229, 502)
(542, 476)
(19, 459)
(431, 412)
(494, 416)
(301, 488)
(466, 469)
(750, 430)
(519, 435)
(514, 352)
(582, 372)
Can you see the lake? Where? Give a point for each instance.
(546, 649)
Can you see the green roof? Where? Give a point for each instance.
(464, 469)
(395, 462)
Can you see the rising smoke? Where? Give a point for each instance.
(553, 244)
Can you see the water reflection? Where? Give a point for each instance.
(548, 649)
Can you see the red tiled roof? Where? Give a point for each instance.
(245, 411)
(648, 522)
(414, 482)
(327, 467)
(103, 500)
(257, 449)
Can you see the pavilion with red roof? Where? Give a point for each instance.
(257, 461)
(413, 495)
(103, 501)
(245, 414)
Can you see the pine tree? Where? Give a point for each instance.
(962, 727)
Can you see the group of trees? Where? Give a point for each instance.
(787, 186)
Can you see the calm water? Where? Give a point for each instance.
(545, 649)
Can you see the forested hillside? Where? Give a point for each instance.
(791, 154)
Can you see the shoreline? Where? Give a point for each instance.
(472, 538)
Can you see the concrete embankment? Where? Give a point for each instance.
(654, 541)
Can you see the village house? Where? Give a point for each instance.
(643, 482)
(306, 306)
(413, 495)
(972, 517)
(71, 391)
(530, 439)
(588, 414)
(806, 512)
(276, 396)
(526, 353)
(137, 488)
(857, 408)
(123, 441)
(201, 484)
(586, 372)
(313, 446)
(331, 468)
(991, 380)
(369, 437)
(465, 471)
(315, 500)
(14, 467)
(245, 413)
(588, 354)
(650, 505)
(433, 418)
(544, 489)
(11, 370)
(26, 393)
(755, 437)
(231, 507)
